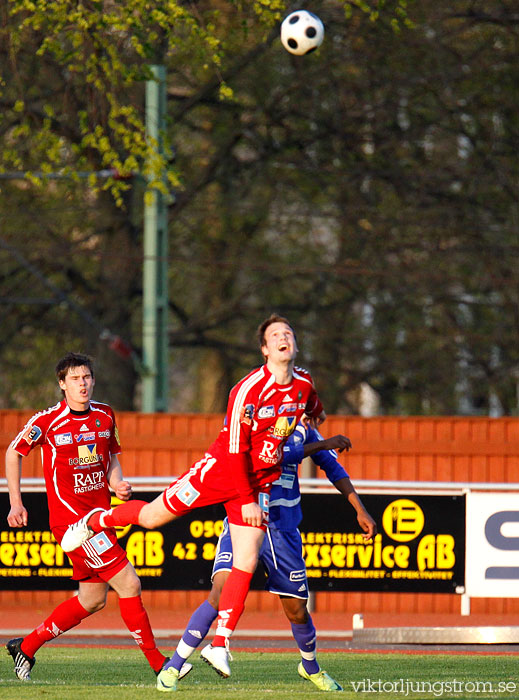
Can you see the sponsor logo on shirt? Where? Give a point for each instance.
(104, 434)
(32, 434)
(286, 481)
(85, 437)
(267, 412)
(287, 399)
(92, 481)
(287, 408)
(284, 426)
(60, 425)
(271, 393)
(84, 428)
(87, 454)
(63, 439)
(270, 452)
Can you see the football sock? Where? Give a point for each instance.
(196, 630)
(232, 603)
(136, 619)
(125, 514)
(305, 637)
(67, 615)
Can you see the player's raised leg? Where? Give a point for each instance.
(149, 515)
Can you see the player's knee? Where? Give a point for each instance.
(245, 561)
(218, 582)
(93, 606)
(134, 589)
(296, 611)
(300, 617)
(130, 585)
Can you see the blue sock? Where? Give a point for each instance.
(305, 640)
(196, 630)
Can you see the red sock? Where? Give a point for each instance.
(232, 603)
(123, 514)
(136, 619)
(63, 618)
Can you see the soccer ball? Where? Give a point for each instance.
(301, 32)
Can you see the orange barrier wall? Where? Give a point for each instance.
(387, 448)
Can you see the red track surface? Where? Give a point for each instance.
(23, 618)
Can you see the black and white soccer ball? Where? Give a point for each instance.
(301, 32)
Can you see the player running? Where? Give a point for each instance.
(281, 556)
(238, 470)
(79, 447)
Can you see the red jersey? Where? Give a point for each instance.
(76, 451)
(261, 415)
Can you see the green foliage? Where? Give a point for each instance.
(106, 51)
(368, 191)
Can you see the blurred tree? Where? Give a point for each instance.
(368, 191)
(388, 237)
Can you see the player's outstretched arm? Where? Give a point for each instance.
(366, 522)
(17, 516)
(314, 421)
(327, 460)
(337, 442)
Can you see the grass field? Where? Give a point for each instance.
(69, 673)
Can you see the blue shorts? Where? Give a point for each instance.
(281, 555)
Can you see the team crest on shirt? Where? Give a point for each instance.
(247, 413)
(284, 426)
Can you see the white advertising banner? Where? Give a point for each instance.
(492, 545)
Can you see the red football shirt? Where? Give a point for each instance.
(261, 415)
(76, 451)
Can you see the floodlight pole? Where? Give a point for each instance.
(155, 262)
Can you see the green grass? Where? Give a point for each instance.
(67, 673)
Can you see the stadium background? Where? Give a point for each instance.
(453, 449)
